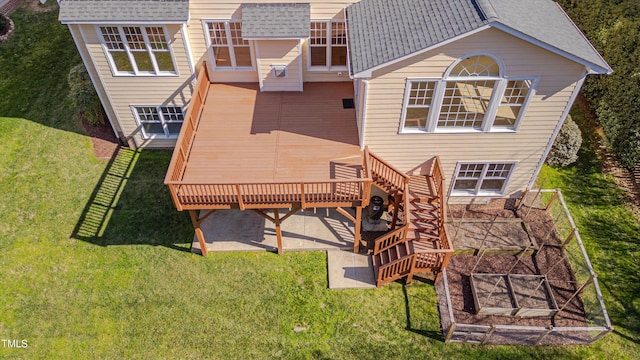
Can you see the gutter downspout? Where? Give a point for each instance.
(363, 112)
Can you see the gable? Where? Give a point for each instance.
(381, 31)
(276, 21)
(384, 32)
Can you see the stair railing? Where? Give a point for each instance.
(396, 269)
(380, 169)
(390, 239)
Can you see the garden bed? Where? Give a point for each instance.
(512, 295)
(527, 297)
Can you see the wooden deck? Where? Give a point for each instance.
(242, 148)
(246, 149)
(245, 135)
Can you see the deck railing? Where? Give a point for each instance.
(195, 196)
(437, 176)
(187, 134)
(329, 193)
(389, 174)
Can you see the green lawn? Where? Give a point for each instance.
(94, 260)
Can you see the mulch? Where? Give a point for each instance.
(103, 140)
(549, 261)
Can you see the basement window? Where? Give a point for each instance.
(159, 121)
(482, 179)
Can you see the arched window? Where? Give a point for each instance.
(475, 65)
(474, 95)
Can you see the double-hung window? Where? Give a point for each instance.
(327, 47)
(513, 100)
(159, 121)
(478, 179)
(138, 50)
(472, 96)
(419, 104)
(228, 49)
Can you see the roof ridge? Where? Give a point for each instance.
(609, 69)
(487, 9)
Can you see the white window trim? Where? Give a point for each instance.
(498, 61)
(328, 66)
(162, 121)
(405, 104)
(478, 192)
(490, 114)
(134, 65)
(232, 55)
(523, 107)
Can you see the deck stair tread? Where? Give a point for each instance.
(421, 213)
(422, 189)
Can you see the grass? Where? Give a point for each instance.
(94, 261)
(610, 231)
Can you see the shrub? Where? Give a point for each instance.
(565, 149)
(83, 96)
(4, 24)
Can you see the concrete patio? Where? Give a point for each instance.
(322, 229)
(236, 230)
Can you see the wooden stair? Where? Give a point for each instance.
(393, 263)
(420, 243)
(423, 212)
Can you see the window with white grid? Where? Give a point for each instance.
(488, 179)
(476, 65)
(138, 50)
(473, 95)
(419, 104)
(512, 102)
(465, 103)
(327, 47)
(230, 51)
(159, 121)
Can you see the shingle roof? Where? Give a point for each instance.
(92, 11)
(545, 21)
(381, 31)
(276, 20)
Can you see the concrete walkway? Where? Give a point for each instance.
(349, 271)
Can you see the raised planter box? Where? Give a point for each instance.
(512, 295)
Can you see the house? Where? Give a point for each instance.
(282, 105)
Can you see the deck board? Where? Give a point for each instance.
(247, 135)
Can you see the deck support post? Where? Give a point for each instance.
(358, 225)
(199, 234)
(396, 209)
(276, 218)
(412, 269)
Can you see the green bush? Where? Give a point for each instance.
(565, 149)
(613, 26)
(83, 96)
(4, 24)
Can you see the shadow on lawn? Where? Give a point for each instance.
(435, 335)
(131, 206)
(613, 232)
